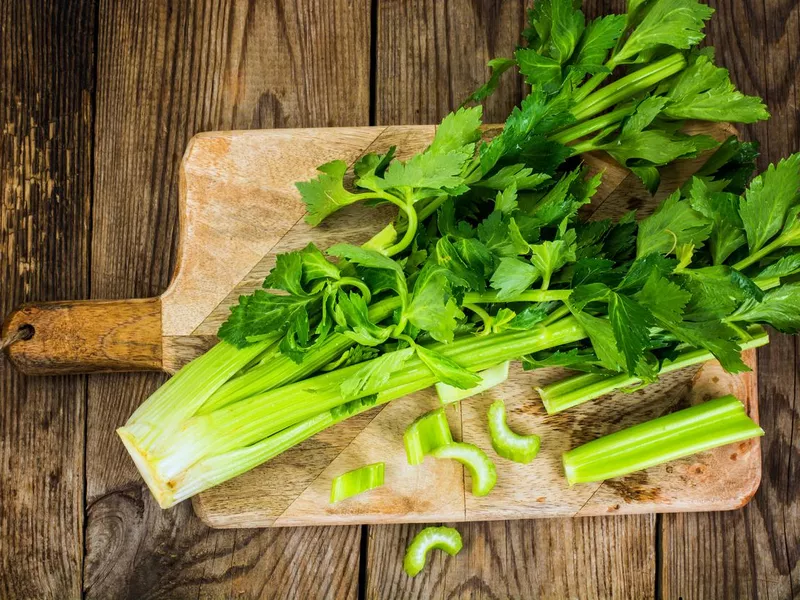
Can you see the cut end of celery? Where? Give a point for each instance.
(489, 379)
(160, 489)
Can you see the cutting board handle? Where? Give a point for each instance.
(52, 338)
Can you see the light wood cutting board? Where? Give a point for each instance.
(239, 208)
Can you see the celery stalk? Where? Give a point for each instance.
(357, 482)
(682, 433)
(575, 390)
(199, 451)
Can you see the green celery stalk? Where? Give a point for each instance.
(281, 370)
(575, 390)
(481, 468)
(357, 482)
(507, 443)
(430, 538)
(206, 450)
(425, 434)
(682, 433)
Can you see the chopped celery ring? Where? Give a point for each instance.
(425, 434)
(430, 538)
(489, 378)
(507, 443)
(480, 466)
(357, 482)
(701, 427)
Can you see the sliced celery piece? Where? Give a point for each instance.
(480, 466)
(507, 443)
(489, 378)
(701, 427)
(357, 482)
(430, 538)
(425, 434)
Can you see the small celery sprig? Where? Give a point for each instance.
(682, 433)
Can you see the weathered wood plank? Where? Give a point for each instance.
(430, 56)
(165, 72)
(754, 553)
(46, 89)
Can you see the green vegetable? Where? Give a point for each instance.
(430, 538)
(425, 434)
(682, 433)
(575, 390)
(507, 443)
(357, 482)
(480, 467)
(489, 379)
(488, 259)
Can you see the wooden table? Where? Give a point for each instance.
(99, 98)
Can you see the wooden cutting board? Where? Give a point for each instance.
(239, 208)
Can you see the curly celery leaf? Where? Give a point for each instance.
(497, 66)
(448, 257)
(540, 72)
(594, 270)
(599, 38)
(663, 298)
(325, 195)
(352, 317)
(494, 235)
(433, 307)
(375, 373)
(768, 199)
(673, 224)
(372, 165)
(366, 258)
(601, 335)
(721, 208)
(293, 271)
(262, 313)
(630, 321)
(716, 292)
(425, 171)
(731, 165)
(778, 308)
(642, 149)
(520, 176)
(675, 23)
(704, 91)
(506, 200)
(666, 301)
(457, 130)
(537, 115)
(476, 256)
(447, 370)
(548, 257)
(566, 29)
(643, 268)
(512, 277)
(784, 267)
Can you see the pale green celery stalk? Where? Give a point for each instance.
(682, 433)
(256, 429)
(575, 390)
(628, 86)
(180, 397)
(281, 370)
(592, 125)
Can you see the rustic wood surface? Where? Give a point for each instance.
(99, 99)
